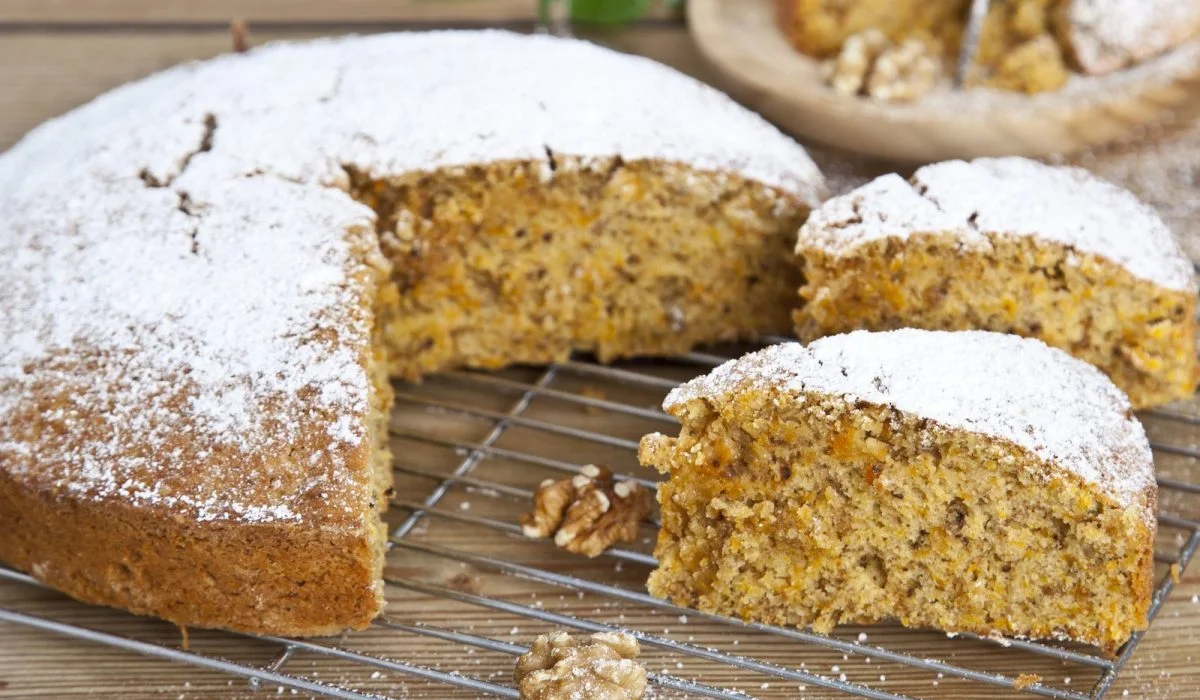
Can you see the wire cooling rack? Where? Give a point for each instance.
(466, 592)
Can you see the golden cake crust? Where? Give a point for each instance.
(203, 275)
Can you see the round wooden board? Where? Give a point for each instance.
(742, 40)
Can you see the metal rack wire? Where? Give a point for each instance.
(471, 447)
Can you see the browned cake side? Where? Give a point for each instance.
(269, 578)
(493, 264)
(803, 507)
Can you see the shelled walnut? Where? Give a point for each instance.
(869, 64)
(600, 667)
(587, 512)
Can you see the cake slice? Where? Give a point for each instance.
(1008, 245)
(965, 481)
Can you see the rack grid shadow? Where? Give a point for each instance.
(467, 593)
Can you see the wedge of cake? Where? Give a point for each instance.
(967, 481)
(1008, 245)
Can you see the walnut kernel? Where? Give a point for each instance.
(870, 65)
(600, 667)
(904, 73)
(588, 512)
(847, 73)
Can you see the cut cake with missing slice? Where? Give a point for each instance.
(207, 276)
(967, 481)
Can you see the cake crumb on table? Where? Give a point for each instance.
(1025, 681)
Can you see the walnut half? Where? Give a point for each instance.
(870, 65)
(588, 512)
(600, 667)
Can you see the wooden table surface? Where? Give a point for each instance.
(55, 54)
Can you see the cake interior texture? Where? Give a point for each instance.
(527, 261)
(1140, 334)
(818, 511)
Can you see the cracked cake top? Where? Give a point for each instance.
(1004, 197)
(1020, 390)
(186, 282)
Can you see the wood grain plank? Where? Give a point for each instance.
(114, 11)
(289, 11)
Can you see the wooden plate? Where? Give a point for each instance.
(741, 38)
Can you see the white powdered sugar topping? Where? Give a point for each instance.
(185, 283)
(1106, 35)
(1062, 410)
(990, 197)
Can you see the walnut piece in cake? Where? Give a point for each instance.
(588, 512)
(599, 667)
(965, 481)
(1008, 245)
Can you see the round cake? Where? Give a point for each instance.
(207, 276)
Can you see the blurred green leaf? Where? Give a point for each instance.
(608, 11)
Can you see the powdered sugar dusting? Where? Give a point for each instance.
(185, 284)
(1016, 389)
(1106, 35)
(1005, 197)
